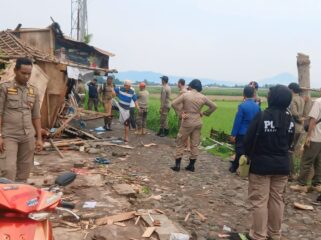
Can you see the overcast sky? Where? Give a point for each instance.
(229, 40)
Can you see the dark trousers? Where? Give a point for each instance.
(311, 158)
(91, 102)
(239, 151)
(132, 118)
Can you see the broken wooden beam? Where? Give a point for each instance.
(148, 232)
(116, 218)
(56, 148)
(82, 132)
(63, 126)
(81, 110)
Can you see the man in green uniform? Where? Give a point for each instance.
(19, 122)
(165, 107)
(189, 105)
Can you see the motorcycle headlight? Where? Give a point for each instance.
(40, 216)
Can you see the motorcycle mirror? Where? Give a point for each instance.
(65, 178)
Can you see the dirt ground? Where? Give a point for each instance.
(211, 191)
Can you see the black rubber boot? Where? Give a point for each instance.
(159, 132)
(191, 165)
(166, 131)
(177, 166)
(163, 133)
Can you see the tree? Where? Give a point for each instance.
(88, 38)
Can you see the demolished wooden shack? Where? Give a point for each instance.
(56, 57)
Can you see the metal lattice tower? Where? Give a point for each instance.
(79, 23)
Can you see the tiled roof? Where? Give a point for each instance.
(11, 48)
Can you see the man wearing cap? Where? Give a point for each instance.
(143, 95)
(93, 95)
(19, 123)
(297, 109)
(165, 107)
(126, 95)
(108, 94)
(189, 105)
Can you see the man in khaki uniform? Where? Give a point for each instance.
(165, 107)
(19, 121)
(108, 94)
(296, 109)
(182, 90)
(312, 152)
(189, 106)
(142, 96)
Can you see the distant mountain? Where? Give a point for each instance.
(138, 76)
(282, 78)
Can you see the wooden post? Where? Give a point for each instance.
(303, 63)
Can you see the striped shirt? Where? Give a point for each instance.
(125, 97)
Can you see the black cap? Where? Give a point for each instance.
(295, 87)
(164, 78)
(196, 84)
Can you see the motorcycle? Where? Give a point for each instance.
(25, 210)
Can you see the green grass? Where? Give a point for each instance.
(218, 91)
(222, 119)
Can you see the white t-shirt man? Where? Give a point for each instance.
(316, 114)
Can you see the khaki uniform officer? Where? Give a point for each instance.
(297, 110)
(182, 90)
(192, 103)
(19, 118)
(108, 94)
(165, 107)
(143, 96)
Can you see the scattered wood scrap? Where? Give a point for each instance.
(120, 224)
(116, 218)
(114, 144)
(159, 211)
(56, 148)
(137, 220)
(148, 232)
(303, 206)
(63, 126)
(187, 217)
(201, 216)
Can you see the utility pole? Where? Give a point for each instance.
(79, 20)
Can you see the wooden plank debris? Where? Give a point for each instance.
(116, 218)
(56, 148)
(63, 126)
(65, 143)
(201, 216)
(159, 211)
(303, 206)
(137, 220)
(81, 110)
(82, 132)
(120, 224)
(114, 144)
(187, 217)
(149, 231)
